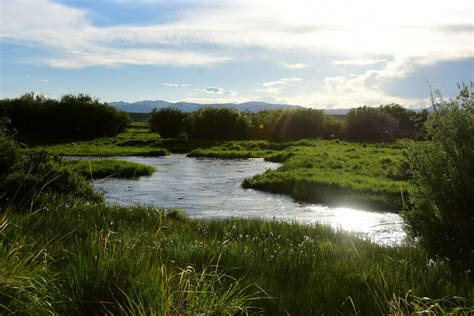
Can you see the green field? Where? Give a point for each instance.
(73, 258)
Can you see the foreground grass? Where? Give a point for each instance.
(98, 169)
(91, 259)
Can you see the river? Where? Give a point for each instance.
(210, 189)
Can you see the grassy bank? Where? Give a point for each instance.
(137, 140)
(88, 259)
(98, 169)
(371, 176)
(329, 172)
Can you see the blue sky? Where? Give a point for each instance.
(323, 54)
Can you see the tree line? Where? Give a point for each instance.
(73, 116)
(382, 124)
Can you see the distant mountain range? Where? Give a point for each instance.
(147, 106)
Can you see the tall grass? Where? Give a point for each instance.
(91, 260)
(97, 169)
(95, 259)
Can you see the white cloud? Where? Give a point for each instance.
(342, 28)
(274, 87)
(175, 85)
(346, 91)
(358, 62)
(293, 66)
(216, 90)
(281, 82)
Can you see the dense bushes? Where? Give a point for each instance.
(300, 123)
(8, 148)
(383, 124)
(370, 124)
(442, 217)
(25, 178)
(74, 116)
(218, 123)
(169, 122)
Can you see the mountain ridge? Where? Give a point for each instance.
(146, 106)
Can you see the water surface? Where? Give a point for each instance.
(210, 188)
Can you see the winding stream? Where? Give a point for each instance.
(210, 188)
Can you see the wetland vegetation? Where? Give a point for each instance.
(64, 251)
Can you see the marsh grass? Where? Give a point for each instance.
(94, 259)
(372, 176)
(98, 169)
(332, 172)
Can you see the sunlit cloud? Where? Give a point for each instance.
(358, 62)
(345, 28)
(384, 41)
(175, 85)
(293, 66)
(215, 90)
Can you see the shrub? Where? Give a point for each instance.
(169, 122)
(442, 217)
(8, 148)
(300, 123)
(409, 122)
(370, 125)
(36, 175)
(74, 116)
(332, 128)
(219, 123)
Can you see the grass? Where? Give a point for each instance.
(75, 258)
(370, 176)
(98, 169)
(331, 172)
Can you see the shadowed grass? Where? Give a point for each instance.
(98, 169)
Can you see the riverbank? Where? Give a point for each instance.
(370, 176)
(79, 258)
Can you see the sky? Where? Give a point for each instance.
(315, 53)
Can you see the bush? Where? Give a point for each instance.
(169, 122)
(370, 125)
(332, 128)
(8, 148)
(409, 122)
(300, 123)
(74, 116)
(25, 178)
(442, 217)
(36, 175)
(219, 123)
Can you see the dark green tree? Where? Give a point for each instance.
(219, 123)
(409, 122)
(442, 216)
(300, 123)
(370, 125)
(74, 116)
(169, 122)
